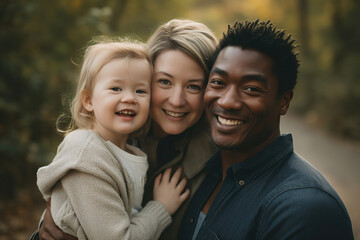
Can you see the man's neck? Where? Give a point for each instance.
(234, 156)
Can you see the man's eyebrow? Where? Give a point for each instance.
(256, 77)
(218, 71)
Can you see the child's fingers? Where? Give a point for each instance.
(157, 180)
(177, 175)
(185, 195)
(166, 175)
(180, 187)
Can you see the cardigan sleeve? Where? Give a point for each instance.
(101, 213)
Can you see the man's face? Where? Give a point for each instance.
(242, 102)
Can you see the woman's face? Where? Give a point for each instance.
(176, 93)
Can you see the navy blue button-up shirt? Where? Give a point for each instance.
(272, 195)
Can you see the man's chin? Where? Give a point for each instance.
(223, 145)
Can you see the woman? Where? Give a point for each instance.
(181, 51)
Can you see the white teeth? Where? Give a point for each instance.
(127, 112)
(174, 114)
(229, 121)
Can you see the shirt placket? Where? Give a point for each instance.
(227, 190)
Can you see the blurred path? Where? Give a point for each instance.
(337, 159)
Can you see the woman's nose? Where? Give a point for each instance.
(177, 97)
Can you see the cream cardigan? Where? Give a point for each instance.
(91, 193)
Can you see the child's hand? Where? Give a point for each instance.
(170, 191)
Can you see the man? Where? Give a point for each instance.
(257, 187)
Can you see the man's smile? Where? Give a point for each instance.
(229, 122)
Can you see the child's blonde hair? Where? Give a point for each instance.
(100, 52)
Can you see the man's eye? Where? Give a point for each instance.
(216, 82)
(116, 89)
(252, 89)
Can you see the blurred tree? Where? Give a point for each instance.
(304, 26)
(39, 41)
(344, 71)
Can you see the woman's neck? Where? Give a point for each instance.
(158, 132)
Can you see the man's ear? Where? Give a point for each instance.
(285, 101)
(86, 101)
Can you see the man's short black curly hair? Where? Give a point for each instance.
(265, 38)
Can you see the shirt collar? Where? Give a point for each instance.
(257, 164)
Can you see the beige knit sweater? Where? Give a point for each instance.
(91, 193)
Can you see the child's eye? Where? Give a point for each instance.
(140, 91)
(116, 89)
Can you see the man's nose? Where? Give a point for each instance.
(231, 99)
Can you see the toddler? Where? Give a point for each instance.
(96, 180)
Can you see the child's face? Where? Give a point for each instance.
(120, 99)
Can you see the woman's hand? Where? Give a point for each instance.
(49, 230)
(170, 190)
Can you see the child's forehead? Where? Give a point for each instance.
(126, 69)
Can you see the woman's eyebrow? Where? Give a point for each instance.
(165, 73)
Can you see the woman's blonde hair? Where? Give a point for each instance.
(101, 50)
(190, 37)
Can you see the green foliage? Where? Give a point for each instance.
(329, 86)
(39, 41)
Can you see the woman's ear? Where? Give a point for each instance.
(285, 101)
(86, 100)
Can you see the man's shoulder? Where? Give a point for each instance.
(296, 172)
(303, 190)
(295, 177)
(310, 211)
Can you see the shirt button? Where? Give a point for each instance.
(191, 220)
(241, 182)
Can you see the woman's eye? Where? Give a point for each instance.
(116, 89)
(194, 87)
(164, 82)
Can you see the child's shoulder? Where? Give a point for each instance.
(78, 139)
(80, 135)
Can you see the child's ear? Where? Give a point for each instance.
(285, 101)
(86, 101)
